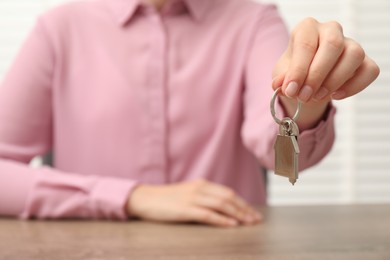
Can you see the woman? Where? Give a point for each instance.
(159, 109)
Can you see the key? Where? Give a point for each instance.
(287, 150)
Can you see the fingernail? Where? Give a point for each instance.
(322, 92)
(291, 89)
(339, 94)
(305, 93)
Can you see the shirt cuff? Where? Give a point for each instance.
(110, 196)
(320, 130)
(315, 143)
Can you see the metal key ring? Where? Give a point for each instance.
(273, 112)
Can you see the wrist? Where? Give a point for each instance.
(132, 200)
(310, 115)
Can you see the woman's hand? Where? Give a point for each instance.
(321, 64)
(197, 201)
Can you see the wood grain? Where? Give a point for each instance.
(305, 232)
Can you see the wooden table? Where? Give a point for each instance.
(305, 232)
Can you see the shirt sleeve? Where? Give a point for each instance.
(25, 132)
(259, 130)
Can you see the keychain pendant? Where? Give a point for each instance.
(286, 157)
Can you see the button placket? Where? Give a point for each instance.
(156, 170)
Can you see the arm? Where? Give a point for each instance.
(25, 131)
(259, 129)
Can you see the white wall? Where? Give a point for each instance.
(358, 168)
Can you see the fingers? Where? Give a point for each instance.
(208, 216)
(364, 76)
(316, 50)
(225, 200)
(303, 47)
(225, 206)
(351, 59)
(221, 206)
(330, 49)
(321, 63)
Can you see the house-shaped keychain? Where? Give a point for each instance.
(286, 156)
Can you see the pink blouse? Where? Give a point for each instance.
(125, 95)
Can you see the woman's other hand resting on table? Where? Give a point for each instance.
(196, 201)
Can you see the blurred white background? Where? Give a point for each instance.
(358, 168)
